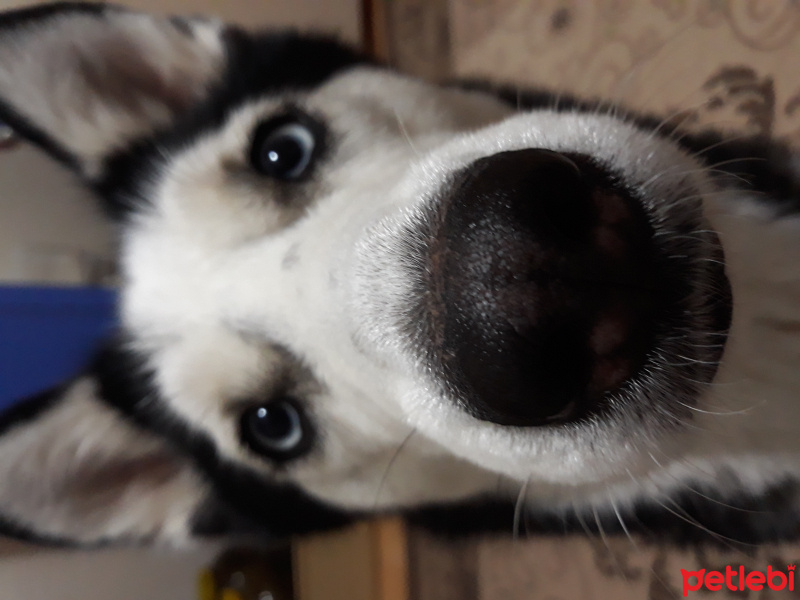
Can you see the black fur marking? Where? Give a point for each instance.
(684, 518)
(25, 533)
(768, 167)
(745, 518)
(183, 25)
(10, 529)
(266, 63)
(22, 17)
(215, 518)
(30, 408)
(471, 517)
(276, 510)
(26, 130)
(121, 185)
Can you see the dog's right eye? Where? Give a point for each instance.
(278, 429)
(283, 148)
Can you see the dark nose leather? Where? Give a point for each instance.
(545, 275)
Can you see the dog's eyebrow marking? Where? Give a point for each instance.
(291, 258)
(183, 25)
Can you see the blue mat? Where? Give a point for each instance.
(48, 335)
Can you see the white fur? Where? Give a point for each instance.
(205, 268)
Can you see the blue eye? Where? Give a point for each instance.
(7, 136)
(283, 149)
(277, 429)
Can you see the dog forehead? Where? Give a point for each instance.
(422, 106)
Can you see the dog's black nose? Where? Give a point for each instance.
(543, 271)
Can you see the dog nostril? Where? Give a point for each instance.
(541, 270)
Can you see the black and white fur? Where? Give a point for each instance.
(238, 289)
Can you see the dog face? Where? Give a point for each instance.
(347, 291)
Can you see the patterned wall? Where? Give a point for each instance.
(732, 64)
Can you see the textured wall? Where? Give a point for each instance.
(728, 64)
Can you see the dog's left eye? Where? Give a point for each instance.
(283, 149)
(278, 429)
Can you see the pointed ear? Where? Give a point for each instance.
(83, 80)
(74, 470)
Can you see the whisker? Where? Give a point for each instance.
(710, 260)
(390, 464)
(688, 462)
(728, 413)
(667, 120)
(738, 160)
(711, 169)
(584, 526)
(604, 539)
(518, 508)
(404, 131)
(555, 105)
(723, 539)
(683, 422)
(697, 492)
(697, 361)
(728, 541)
(727, 140)
(615, 508)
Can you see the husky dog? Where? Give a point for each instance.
(347, 292)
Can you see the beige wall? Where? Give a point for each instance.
(341, 17)
(120, 574)
(50, 229)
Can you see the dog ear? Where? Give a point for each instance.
(75, 470)
(83, 80)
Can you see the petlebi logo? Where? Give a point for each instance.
(738, 580)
